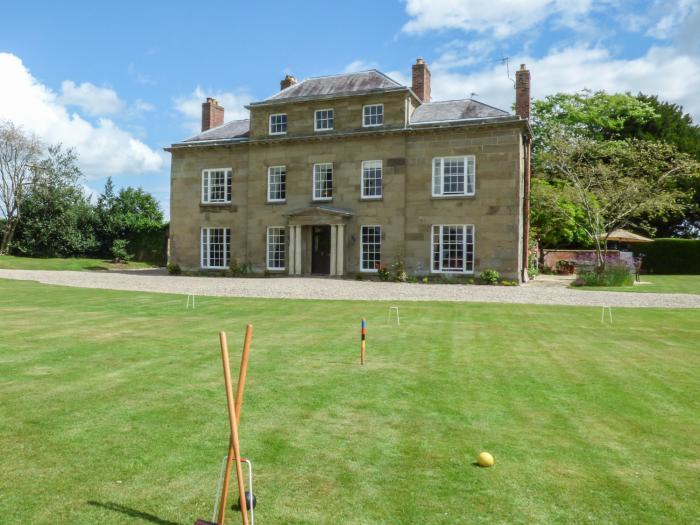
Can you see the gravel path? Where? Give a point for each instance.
(537, 292)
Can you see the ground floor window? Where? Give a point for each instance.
(453, 248)
(276, 247)
(216, 247)
(370, 248)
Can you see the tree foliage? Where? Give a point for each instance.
(57, 219)
(19, 152)
(614, 182)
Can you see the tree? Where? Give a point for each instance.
(57, 218)
(552, 216)
(18, 155)
(129, 215)
(614, 182)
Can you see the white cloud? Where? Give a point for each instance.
(661, 71)
(359, 65)
(92, 99)
(497, 18)
(103, 147)
(190, 106)
(675, 13)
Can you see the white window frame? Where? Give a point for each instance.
(206, 186)
(282, 183)
(364, 117)
(438, 176)
(371, 164)
(313, 182)
(283, 244)
(465, 270)
(332, 119)
(205, 258)
(269, 123)
(362, 248)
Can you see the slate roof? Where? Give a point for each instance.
(236, 129)
(348, 83)
(450, 110)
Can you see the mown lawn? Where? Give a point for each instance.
(113, 411)
(656, 284)
(10, 262)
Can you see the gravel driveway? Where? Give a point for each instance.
(537, 292)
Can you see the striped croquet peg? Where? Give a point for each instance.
(362, 342)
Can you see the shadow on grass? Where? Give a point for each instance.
(97, 268)
(132, 512)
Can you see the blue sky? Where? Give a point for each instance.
(118, 81)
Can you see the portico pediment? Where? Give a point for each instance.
(319, 215)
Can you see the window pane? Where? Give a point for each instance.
(276, 248)
(216, 247)
(277, 183)
(323, 181)
(371, 240)
(372, 178)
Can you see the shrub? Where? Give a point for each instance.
(490, 276)
(383, 274)
(426, 280)
(238, 269)
(615, 274)
(670, 256)
(119, 251)
(400, 275)
(359, 277)
(412, 279)
(532, 272)
(470, 280)
(174, 269)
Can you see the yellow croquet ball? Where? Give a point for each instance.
(485, 460)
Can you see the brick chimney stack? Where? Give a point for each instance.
(288, 81)
(522, 92)
(212, 114)
(421, 80)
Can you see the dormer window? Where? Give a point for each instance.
(323, 119)
(372, 115)
(278, 124)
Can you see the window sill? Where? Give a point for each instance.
(437, 272)
(370, 199)
(276, 270)
(326, 199)
(215, 203)
(448, 197)
(368, 271)
(372, 125)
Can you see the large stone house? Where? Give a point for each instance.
(343, 174)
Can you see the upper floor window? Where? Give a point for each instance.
(216, 247)
(278, 124)
(373, 115)
(276, 184)
(453, 176)
(216, 186)
(453, 248)
(371, 179)
(323, 182)
(323, 119)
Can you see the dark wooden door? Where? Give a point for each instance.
(321, 250)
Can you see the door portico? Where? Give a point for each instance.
(307, 246)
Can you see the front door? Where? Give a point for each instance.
(321, 250)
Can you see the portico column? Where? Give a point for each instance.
(340, 257)
(292, 251)
(334, 251)
(297, 251)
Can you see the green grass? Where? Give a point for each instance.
(10, 262)
(113, 411)
(689, 284)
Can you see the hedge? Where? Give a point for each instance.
(670, 256)
(150, 246)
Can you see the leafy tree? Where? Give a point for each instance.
(614, 182)
(18, 155)
(554, 219)
(127, 215)
(57, 217)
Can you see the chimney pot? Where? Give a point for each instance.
(421, 80)
(288, 81)
(522, 92)
(212, 114)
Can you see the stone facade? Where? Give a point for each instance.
(406, 211)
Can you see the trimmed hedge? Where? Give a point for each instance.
(150, 246)
(670, 256)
